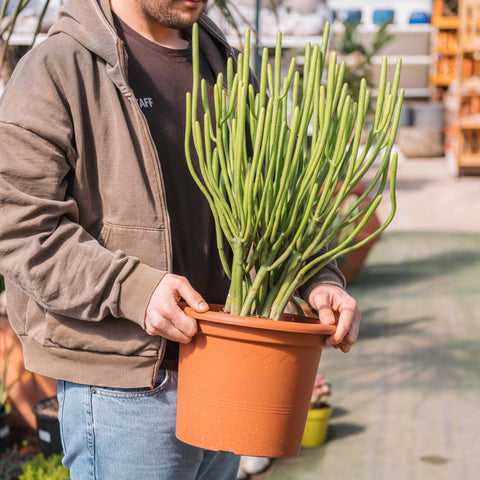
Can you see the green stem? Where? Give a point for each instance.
(276, 201)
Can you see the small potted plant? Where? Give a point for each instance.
(48, 426)
(245, 380)
(319, 413)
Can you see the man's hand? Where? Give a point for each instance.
(335, 306)
(165, 318)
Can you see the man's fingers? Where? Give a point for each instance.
(346, 343)
(183, 323)
(165, 318)
(325, 314)
(334, 303)
(191, 296)
(322, 304)
(352, 335)
(172, 324)
(345, 322)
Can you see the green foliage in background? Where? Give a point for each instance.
(360, 54)
(12, 460)
(41, 468)
(8, 27)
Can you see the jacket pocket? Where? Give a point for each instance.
(149, 245)
(111, 335)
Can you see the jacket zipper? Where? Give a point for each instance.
(131, 96)
(129, 93)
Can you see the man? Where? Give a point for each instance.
(91, 135)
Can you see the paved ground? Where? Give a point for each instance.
(407, 398)
(431, 198)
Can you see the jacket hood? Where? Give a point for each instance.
(90, 23)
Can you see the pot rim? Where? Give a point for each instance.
(288, 322)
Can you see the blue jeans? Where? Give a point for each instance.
(129, 434)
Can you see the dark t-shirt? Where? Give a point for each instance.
(160, 78)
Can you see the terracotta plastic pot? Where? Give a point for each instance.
(316, 427)
(245, 383)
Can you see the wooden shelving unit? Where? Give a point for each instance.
(445, 46)
(445, 23)
(468, 120)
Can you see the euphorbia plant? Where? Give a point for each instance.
(274, 197)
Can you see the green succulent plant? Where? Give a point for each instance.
(273, 193)
(41, 468)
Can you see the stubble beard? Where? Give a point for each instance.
(164, 13)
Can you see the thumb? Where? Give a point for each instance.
(192, 297)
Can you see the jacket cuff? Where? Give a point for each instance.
(136, 291)
(331, 274)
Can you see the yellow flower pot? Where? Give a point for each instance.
(316, 427)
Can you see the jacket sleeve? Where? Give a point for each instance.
(44, 250)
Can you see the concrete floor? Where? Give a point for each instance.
(430, 197)
(407, 398)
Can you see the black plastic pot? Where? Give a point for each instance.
(4, 430)
(48, 427)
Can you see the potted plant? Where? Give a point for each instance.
(317, 419)
(44, 468)
(48, 426)
(274, 198)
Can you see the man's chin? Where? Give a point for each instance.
(185, 20)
